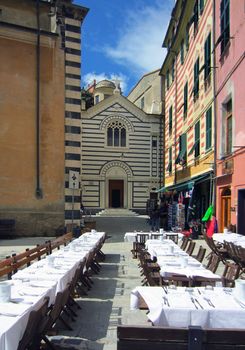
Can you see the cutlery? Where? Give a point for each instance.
(166, 302)
(165, 289)
(209, 302)
(240, 303)
(199, 291)
(198, 303)
(193, 301)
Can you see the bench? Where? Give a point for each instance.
(7, 228)
(12, 264)
(167, 338)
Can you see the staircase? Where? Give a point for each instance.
(116, 212)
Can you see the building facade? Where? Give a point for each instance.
(40, 113)
(120, 153)
(189, 107)
(230, 109)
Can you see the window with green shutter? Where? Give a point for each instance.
(201, 6)
(195, 16)
(197, 139)
(207, 56)
(170, 160)
(185, 99)
(167, 79)
(181, 159)
(209, 128)
(187, 37)
(172, 70)
(170, 118)
(196, 79)
(182, 55)
(224, 24)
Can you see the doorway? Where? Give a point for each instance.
(241, 212)
(116, 193)
(225, 209)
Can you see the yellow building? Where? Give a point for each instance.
(40, 113)
(188, 95)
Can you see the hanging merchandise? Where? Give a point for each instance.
(208, 214)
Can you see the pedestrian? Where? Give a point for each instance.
(154, 218)
(163, 213)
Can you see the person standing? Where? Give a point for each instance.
(154, 218)
(163, 213)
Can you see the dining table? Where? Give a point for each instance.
(231, 237)
(44, 278)
(131, 236)
(208, 307)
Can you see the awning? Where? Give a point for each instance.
(186, 185)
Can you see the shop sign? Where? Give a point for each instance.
(227, 167)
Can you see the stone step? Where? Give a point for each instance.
(116, 212)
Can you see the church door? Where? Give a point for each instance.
(116, 193)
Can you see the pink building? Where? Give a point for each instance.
(230, 113)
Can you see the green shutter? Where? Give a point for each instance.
(196, 77)
(207, 56)
(209, 128)
(185, 99)
(197, 139)
(201, 6)
(182, 52)
(170, 118)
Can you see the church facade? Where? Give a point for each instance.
(120, 152)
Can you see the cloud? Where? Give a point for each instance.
(140, 40)
(90, 77)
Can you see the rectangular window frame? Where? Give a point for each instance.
(185, 99)
(170, 120)
(207, 57)
(224, 25)
(196, 80)
(197, 139)
(228, 128)
(208, 129)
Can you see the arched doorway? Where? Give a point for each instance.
(225, 208)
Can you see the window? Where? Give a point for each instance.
(196, 147)
(169, 168)
(97, 99)
(224, 24)
(196, 79)
(182, 52)
(201, 6)
(167, 79)
(229, 127)
(181, 159)
(209, 128)
(154, 143)
(142, 103)
(185, 99)
(197, 139)
(172, 70)
(187, 37)
(170, 119)
(116, 134)
(207, 56)
(195, 16)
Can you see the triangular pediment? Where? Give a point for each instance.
(120, 103)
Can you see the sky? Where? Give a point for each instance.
(123, 39)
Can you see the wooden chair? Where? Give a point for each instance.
(218, 249)
(156, 235)
(184, 243)
(174, 237)
(32, 336)
(170, 338)
(191, 247)
(200, 254)
(230, 274)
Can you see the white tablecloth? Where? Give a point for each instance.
(230, 237)
(211, 308)
(32, 284)
(131, 236)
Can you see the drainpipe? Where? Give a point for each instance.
(175, 117)
(215, 111)
(38, 189)
(162, 137)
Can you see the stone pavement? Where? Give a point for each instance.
(108, 302)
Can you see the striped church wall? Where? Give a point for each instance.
(136, 156)
(72, 43)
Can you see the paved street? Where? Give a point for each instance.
(107, 304)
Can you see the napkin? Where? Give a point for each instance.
(33, 291)
(180, 301)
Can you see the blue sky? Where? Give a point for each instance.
(123, 39)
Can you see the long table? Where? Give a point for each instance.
(235, 238)
(174, 261)
(31, 285)
(182, 307)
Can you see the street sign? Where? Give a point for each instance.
(74, 179)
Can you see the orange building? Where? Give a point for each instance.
(189, 122)
(40, 113)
